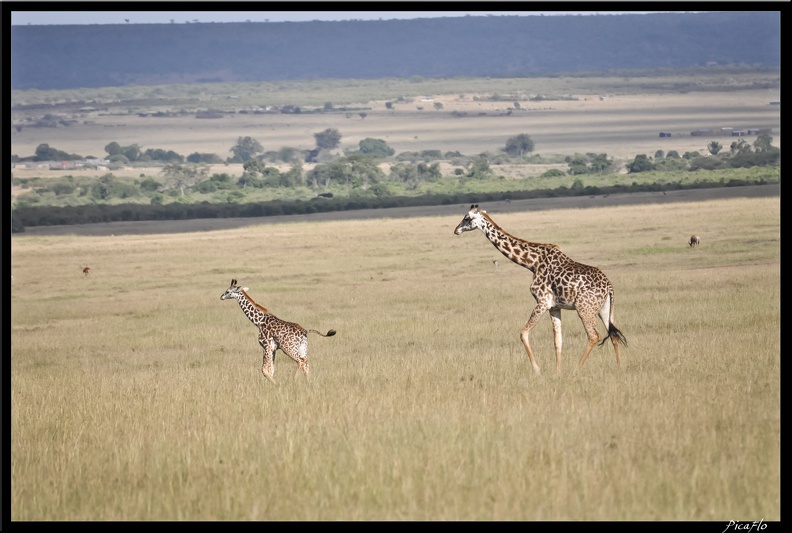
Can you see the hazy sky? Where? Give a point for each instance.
(180, 17)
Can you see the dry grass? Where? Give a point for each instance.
(136, 393)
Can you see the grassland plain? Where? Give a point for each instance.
(136, 393)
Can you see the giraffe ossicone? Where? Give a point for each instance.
(558, 283)
(274, 333)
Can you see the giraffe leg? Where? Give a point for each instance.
(555, 316)
(613, 331)
(268, 364)
(536, 314)
(300, 355)
(589, 346)
(302, 364)
(268, 368)
(615, 342)
(593, 336)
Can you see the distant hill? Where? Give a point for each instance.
(65, 57)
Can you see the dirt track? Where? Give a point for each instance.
(580, 202)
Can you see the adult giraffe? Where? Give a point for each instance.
(558, 283)
(274, 333)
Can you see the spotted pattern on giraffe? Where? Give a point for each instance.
(274, 333)
(558, 283)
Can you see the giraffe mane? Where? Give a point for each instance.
(489, 219)
(254, 303)
(518, 239)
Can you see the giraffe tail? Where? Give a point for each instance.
(615, 332)
(328, 334)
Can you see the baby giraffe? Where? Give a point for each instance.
(274, 333)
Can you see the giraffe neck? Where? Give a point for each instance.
(252, 310)
(524, 253)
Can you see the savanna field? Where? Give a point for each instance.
(136, 393)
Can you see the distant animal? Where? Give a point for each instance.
(695, 240)
(274, 333)
(86, 271)
(558, 283)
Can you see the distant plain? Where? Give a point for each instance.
(619, 117)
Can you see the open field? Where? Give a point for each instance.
(136, 393)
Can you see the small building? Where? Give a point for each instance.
(62, 165)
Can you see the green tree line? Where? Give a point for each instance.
(357, 175)
(28, 216)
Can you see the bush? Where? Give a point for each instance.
(222, 181)
(519, 145)
(641, 163)
(376, 147)
(212, 159)
(63, 188)
(206, 187)
(706, 163)
(119, 159)
(149, 184)
(553, 173)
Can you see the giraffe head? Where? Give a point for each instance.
(234, 291)
(473, 220)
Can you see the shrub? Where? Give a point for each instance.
(706, 163)
(149, 184)
(206, 187)
(641, 163)
(119, 158)
(553, 173)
